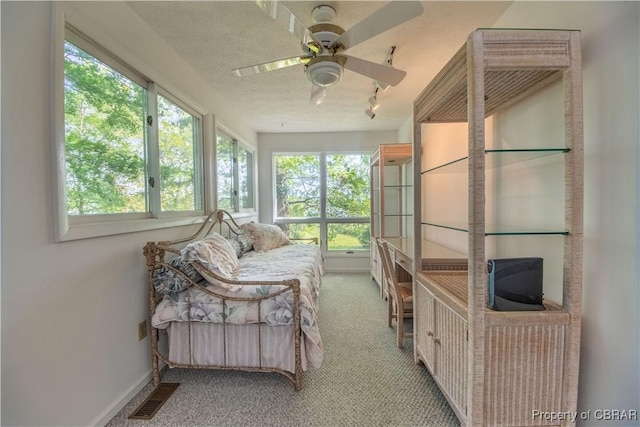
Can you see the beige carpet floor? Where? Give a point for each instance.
(365, 380)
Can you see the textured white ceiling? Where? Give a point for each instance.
(218, 36)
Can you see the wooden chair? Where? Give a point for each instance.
(400, 294)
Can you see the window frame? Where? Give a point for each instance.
(199, 158)
(250, 178)
(74, 227)
(237, 145)
(323, 220)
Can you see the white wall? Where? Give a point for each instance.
(69, 311)
(405, 133)
(70, 353)
(610, 359)
(349, 142)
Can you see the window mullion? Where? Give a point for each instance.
(236, 177)
(324, 233)
(198, 162)
(153, 151)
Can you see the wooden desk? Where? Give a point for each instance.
(434, 256)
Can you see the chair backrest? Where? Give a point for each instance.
(387, 264)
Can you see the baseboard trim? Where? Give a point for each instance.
(343, 270)
(113, 409)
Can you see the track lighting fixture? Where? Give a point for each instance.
(378, 87)
(382, 86)
(390, 56)
(369, 112)
(373, 102)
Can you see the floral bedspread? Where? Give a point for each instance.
(297, 261)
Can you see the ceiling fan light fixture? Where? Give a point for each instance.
(323, 13)
(324, 73)
(317, 95)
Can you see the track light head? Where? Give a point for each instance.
(373, 102)
(370, 113)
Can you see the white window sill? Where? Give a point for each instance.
(351, 254)
(108, 228)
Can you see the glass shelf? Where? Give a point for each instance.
(497, 158)
(492, 230)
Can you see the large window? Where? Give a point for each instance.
(180, 165)
(348, 198)
(324, 195)
(234, 174)
(297, 186)
(104, 137)
(130, 149)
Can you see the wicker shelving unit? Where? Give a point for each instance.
(391, 197)
(500, 368)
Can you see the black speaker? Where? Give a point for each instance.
(514, 284)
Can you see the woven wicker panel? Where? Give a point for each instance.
(454, 110)
(423, 317)
(451, 356)
(502, 88)
(454, 282)
(446, 85)
(516, 65)
(526, 50)
(444, 265)
(523, 373)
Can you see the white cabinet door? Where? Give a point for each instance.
(423, 312)
(450, 347)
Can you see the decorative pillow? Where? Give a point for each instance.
(265, 236)
(241, 243)
(245, 242)
(167, 280)
(235, 244)
(216, 255)
(208, 275)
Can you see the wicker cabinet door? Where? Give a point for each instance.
(423, 301)
(451, 354)
(376, 265)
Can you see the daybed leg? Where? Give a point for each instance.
(297, 334)
(154, 357)
(152, 253)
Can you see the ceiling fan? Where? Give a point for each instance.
(323, 44)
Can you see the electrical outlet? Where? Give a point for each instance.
(142, 330)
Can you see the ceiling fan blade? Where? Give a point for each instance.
(286, 18)
(270, 66)
(317, 94)
(382, 73)
(388, 16)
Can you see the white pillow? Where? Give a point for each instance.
(265, 236)
(216, 255)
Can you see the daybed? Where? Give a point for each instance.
(241, 297)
